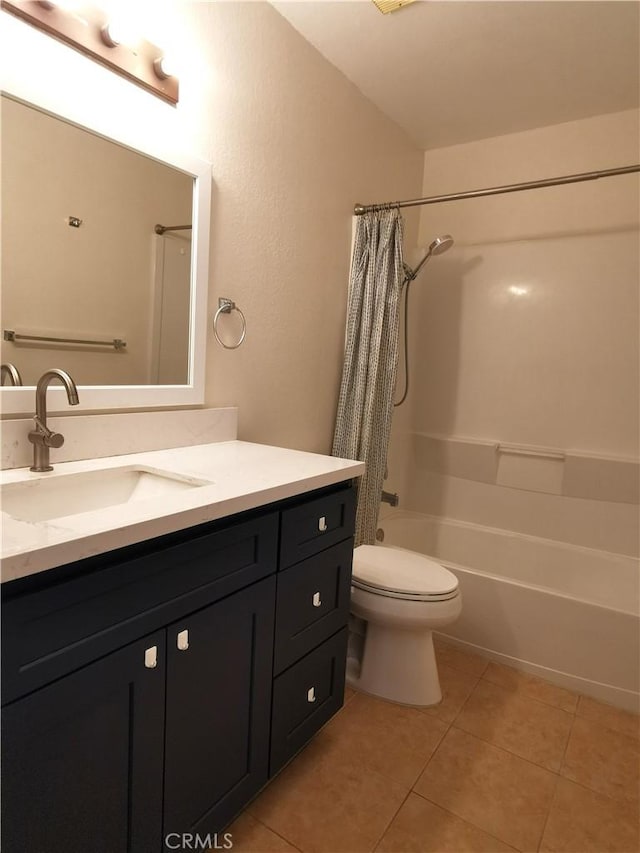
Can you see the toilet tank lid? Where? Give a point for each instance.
(399, 570)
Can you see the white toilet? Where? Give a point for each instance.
(402, 596)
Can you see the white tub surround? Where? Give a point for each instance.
(568, 614)
(100, 435)
(239, 476)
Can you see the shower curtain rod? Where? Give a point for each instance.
(359, 209)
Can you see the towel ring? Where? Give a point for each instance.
(226, 306)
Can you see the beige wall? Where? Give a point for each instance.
(609, 205)
(93, 282)
(526, 332)
(293, 146)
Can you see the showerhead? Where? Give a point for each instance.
(441, 244)
(438, 247)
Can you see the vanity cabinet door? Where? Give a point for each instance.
(82, 758)
(219, 672)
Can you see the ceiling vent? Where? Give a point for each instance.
(387, 6)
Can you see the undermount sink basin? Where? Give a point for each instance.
(46, 498)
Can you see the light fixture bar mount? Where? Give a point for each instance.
(84, 28)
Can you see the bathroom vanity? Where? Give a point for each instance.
(155, 688)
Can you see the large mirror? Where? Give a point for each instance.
(104, 265)
(88, 283)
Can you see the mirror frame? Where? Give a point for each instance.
(60, 103)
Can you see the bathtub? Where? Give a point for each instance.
(568, 614)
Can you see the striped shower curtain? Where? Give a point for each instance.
(365, 405)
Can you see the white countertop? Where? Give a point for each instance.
(243, 476)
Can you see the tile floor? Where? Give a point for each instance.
(505, 762)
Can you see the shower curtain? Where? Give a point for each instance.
(365, 405)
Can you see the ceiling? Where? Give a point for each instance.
(451, 72)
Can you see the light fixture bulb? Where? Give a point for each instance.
(63, 5)
(108, 36)
(163, 67)
(116, 32)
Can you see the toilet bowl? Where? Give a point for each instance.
(402, 597)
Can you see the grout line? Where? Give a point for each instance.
(395, 814)
(553, 795)
(439, 744)
(582, 784)
(548, 815)
(487, 661)
(552, 772)
(596, 722)
(519, 697)
(563, 775)
(465, 820)
(616, 800)
(463, 706)
(566, 747)
(536, 698)
(505, 749)
(279, 834)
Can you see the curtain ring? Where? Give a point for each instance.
(226, 306)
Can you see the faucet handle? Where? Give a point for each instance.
(45, 436)
(45, 439)
(54, 439)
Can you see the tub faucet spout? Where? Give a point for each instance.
(390, 498)
(42, 437)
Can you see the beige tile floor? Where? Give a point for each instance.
(505, 762)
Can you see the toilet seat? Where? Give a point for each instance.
(397, 573)
(404, 596)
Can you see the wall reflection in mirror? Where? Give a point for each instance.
(81, 259)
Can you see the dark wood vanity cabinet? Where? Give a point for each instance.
(216, 748)
(153, 691)
(82, 759)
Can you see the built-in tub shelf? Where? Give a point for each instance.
(549, 470)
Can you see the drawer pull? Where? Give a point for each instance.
(311, 694)
(317, 601)
(322, 524)
(183, 641)
(151, 657)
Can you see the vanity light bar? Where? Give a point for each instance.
(87, 29)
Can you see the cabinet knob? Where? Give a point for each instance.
(151, 657)
(322, 524)
(182, 641)
(311, 694)
(317, 601)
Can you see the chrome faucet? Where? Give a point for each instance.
(12, 372)
(42, 437)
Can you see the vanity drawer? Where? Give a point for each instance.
(312, 603)
(55, 629)
(305, 697)
(316, 524)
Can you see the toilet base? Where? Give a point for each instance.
(399, 666)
